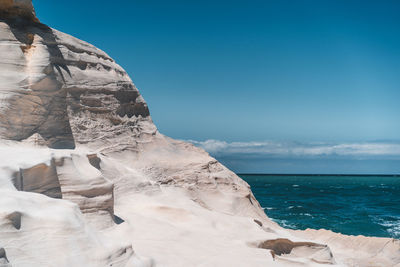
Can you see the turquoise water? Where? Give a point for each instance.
(352, 205)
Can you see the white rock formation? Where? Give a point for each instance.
(87, 180)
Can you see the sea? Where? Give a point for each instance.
(352, 205)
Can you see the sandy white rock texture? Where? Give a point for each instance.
(87, 180)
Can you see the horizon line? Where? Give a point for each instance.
(304, 174)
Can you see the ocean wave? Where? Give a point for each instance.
(268, 208)
(392, 225)
(284, 223)
(336, 187)
(292, 207)
(393, 228)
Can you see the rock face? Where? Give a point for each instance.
(17, 9)
(87, 180)
(61, 88)
(40, 179)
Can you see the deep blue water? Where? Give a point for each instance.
(352, 205)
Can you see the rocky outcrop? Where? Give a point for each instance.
(64, 89)
(359, 250)
(50, 232)
(17, 9)
(288, 250)
(42, 179)
(87, 180)
(72, 178)
(84, 185)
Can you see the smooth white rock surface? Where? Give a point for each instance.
(87, 180)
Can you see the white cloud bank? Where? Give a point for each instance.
(295, 149)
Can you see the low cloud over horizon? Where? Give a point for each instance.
(378, 157)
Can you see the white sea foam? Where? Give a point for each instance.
(305, 214)
(393, 227)
(284, 223)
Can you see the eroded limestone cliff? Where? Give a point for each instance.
(87, 180)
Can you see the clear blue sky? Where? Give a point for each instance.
(245, 71)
